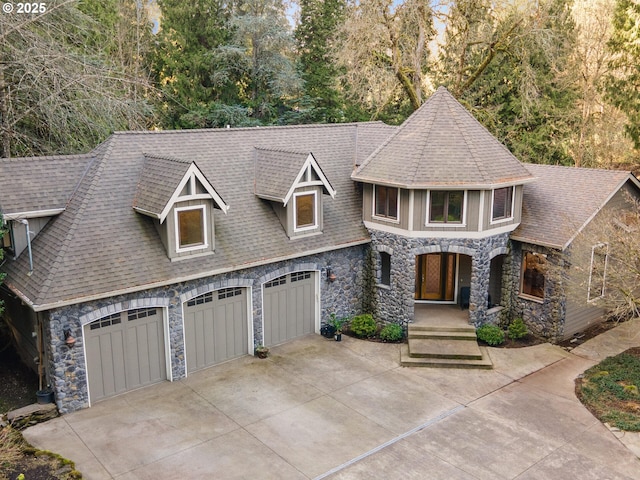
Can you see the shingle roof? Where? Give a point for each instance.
(562, 200)
(100, 245)
(39, 184)
(442, 144)
(157, 182)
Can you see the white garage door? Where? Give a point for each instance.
(215, 327)
(289, 307)
(125, 351)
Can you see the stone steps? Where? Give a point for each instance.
(444, 347)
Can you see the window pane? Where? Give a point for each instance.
(392, 198)
(502, 203)
(436, 211)
(533, 265)
(305, 211)
(385, 268)
(191, 227)
(381, 201)
(454, 210)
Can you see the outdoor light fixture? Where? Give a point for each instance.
(68, 339)
(331, 277)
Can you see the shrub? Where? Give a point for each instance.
(363, 325)
(490, 334)
(517, 329)
(391, 333)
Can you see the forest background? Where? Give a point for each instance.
(557, 81)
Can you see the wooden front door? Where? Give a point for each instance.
(435, 276)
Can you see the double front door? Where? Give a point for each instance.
(436, 276)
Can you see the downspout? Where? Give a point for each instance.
(25, 222)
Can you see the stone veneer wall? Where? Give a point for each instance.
(544, 318)
(67, 365)
(396, 302)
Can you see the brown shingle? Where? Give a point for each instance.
(100, 245)
(441, 144)
(561, 200)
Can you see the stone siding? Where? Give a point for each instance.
(395, 303)
(545, 317)
(67, 366)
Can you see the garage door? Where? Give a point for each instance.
(125, 351)
(289, 307)
(215, 327)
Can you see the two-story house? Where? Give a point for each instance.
(161, 253)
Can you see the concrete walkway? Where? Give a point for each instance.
(343, 410)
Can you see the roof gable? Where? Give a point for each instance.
(280, 172)
(554, 211)
(442, 144)
(167, 180)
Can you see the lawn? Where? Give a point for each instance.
(610, 390)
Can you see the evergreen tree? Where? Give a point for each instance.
(315, 35)
(623, 86)
(181, 60)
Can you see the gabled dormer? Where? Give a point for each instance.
(179, 196)
(294, 183)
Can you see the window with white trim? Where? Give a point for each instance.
(385, 204)
(446, 206)
(305, 206)
(502, 204)
(598, 271)
(191, 228)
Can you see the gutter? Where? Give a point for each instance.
(186, 278)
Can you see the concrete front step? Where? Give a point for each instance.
(445, 335)
(417, 327)
(409, 361)
(444, 348)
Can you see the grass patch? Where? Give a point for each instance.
(610, 390)
(18, 457)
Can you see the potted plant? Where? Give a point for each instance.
(261, 351)
(337, 324)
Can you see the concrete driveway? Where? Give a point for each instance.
(343, 410)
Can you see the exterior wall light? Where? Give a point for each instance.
(69, 340)
(331, 277)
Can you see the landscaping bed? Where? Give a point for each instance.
(610, 390)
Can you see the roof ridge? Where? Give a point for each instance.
(65, 245)
(399, 129)
(282, 150)
(236, 129)
(473, 153)
(169, 158)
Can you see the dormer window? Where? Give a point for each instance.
(295, 185)
(386, 202)
(191, 233)
(179, 196)
(305, 205)
(502, 204)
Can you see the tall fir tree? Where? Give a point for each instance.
(623, 86)
(315, 36)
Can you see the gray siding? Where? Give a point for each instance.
(20, 233)
(472, 208)
(403, 209)
(517, 210)
(579, 317)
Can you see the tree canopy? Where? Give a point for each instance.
(557, 81)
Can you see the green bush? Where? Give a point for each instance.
(490, 334)
(391, 333)
(517, 329)
(363, 325)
